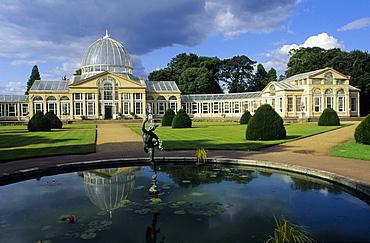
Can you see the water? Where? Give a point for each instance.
(196, 204)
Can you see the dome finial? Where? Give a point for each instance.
(106, 34)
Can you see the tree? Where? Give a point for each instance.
(265, 124)
(38, 123)
(193, 74)
(272, 75)
(259, 80)
(329, 117)
(181, 120)
(168, 117)
(362, 132)
(245, 117)
(35, 75)
(55, 122)
(236, 73)
(355, 64)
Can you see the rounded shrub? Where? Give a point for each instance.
(181, 120)
(168, 117)
(362, 132)
(329, 117)
(245, 117)
(265, 124)
(55, 122)
(38, 123)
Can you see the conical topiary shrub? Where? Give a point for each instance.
(362, 132)
(245, 117)
(168, 117)
(181, 120)
(329, 117)
(265, 124)
(38, 123)
(55, 122)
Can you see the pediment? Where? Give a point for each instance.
(92, 82)
(322, 74)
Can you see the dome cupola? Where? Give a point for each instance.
(105, 54)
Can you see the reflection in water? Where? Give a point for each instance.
(106, 188)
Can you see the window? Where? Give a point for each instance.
(205, 108)
(215, 107)
(150, 104)
(298, 103)
(281, 104)
(12, 109)
(290, 104)
(316, 81)
(173, 103)
(90, 108)
(246, 106)
(341, 100)
(77, 96)
(2, 110)
(353, 104)
(341, 81)
(161, 105)
(329, 98)
(78, 108)
(126, 108)
(64, 106)
(236, 107)
(108, 89)
(226, 107)
(126, 96)
(194, 108)
(138, 96)
(90, 96)
(138, 108)
(24, 109)
(273, 103)
(51, 104)
(316, 100)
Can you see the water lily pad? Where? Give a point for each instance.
(156, 200)
(180, 212)
(181, 202)
(186, 181)
(125, 201)
(198, 194)
(139, 187)
(243, 176)
(88, 236)
(46, 227)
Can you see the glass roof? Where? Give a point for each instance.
(220, 97)
(105, 54)
(13, 98)
(161, 86)
(49, 85)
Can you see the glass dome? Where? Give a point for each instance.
(105, 54)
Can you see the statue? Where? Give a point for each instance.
(149, 147)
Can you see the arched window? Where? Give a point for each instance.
(51, 104)
(161, 105)
(65, 105)
(316, 100)
(108, 89)
(173, 103)
(329, 98)
(150, 104)
(37, 104)
(341, 100)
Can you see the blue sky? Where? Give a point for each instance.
(54, 34)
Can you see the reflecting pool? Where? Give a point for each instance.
(215, 203)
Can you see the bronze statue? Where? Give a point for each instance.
(148, 136)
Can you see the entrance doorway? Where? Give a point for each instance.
(108, 111)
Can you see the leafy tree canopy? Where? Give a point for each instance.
(236, 73)
(355, 63)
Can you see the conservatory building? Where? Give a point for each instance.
(106, 89)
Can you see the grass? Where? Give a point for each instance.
(352, 150)
(17, 143)
(211, 136)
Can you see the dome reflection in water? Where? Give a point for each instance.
(195, 204)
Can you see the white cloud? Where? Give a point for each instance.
(26, 62)
(357, 24)
(16, 88)
(279, 57)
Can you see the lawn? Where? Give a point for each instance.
(232, 137)
(352, 150)
(17, 143)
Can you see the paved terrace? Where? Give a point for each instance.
(116, 141)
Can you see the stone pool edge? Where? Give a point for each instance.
(7, 178)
